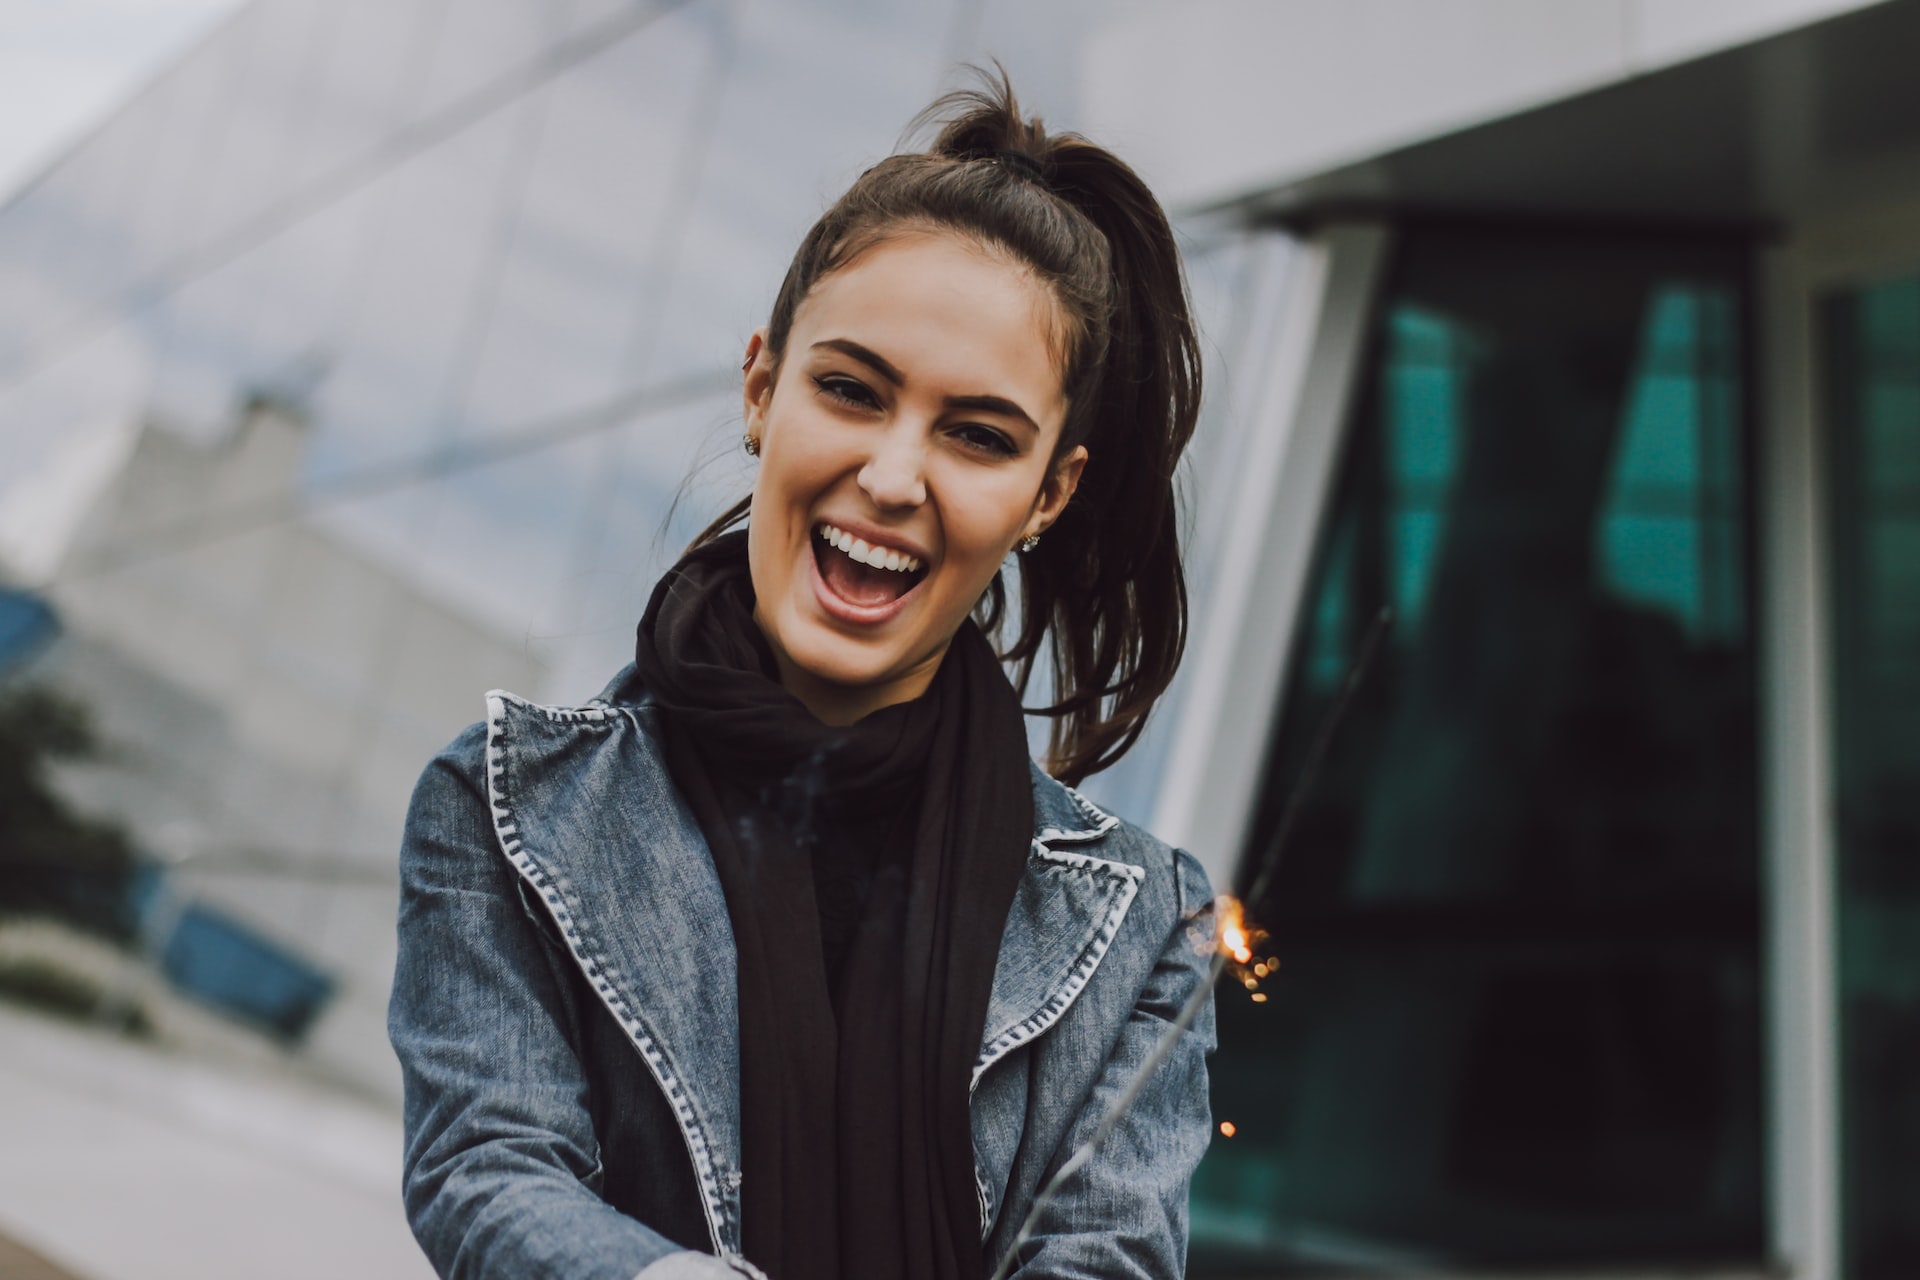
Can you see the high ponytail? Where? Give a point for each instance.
(1104, 592)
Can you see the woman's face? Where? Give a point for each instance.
(906, 446)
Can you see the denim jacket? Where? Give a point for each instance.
(563, 1010)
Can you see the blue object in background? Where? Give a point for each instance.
(226, 964)
(27, 624)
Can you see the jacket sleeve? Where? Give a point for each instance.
(1123, 1215)
(500, 1150)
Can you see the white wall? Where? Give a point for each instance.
(1218, 99)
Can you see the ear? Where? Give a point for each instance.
(1058, 489)
(756, 382)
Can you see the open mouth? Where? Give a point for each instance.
(862, 575)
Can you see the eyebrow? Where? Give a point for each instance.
(882, 366)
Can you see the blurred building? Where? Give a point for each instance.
(261, 684)
(355, 368)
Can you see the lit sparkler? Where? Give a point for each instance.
(1233, 942)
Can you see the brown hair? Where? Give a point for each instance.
(1104, 589)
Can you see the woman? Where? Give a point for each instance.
(781, 956)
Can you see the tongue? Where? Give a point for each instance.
(857, 583)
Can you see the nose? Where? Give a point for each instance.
(894, 475)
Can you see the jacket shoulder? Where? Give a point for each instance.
(1065, 819)
(456, 773)
(520, 742)
(509, 718)
(466, 755)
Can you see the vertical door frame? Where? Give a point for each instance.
(1310, 348)
(1803, 996)
(1802, 1055)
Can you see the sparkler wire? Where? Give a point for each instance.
(1116, 1113)
(1317, 753)
(1309, 771)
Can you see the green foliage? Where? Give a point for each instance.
(53, 861)
(63, 991)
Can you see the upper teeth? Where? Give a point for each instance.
(865, 553)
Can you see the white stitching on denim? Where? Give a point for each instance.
(712, 1204)
(1102, 821)
(562, 715)
(1057, 1004)
(1095, 950)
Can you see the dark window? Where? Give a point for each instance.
(1872, 340)
(1516, 1014)
(26, 626)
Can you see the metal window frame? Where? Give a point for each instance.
(1801, 1062)
(1311, 344)
(1243, 646)
(1854, 246)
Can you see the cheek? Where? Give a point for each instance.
(984, 520)
(997, 509)
(797, 461)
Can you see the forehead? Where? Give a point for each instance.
(944, 311)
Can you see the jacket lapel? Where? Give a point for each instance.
(1065, 913)
(585, 813)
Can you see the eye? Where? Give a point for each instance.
(845, 390)
(979, 436)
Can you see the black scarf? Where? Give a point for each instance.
(856, 1148)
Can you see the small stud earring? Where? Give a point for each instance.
(1029, 542)
(751, 443)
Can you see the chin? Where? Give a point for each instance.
(856, 640)
(826, 655)
(823, 656)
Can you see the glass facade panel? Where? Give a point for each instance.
(1515, 1019)
(1872, 376)
(583, 18)
(368, 61)
(201, 97)
(90, 256)
(274, 323)
(667, 472)
(590, 239)
(64, 433)
(420, 293)
(779, 137)
(260, 134)
(214, 342)
(65, 248)
(476, 46)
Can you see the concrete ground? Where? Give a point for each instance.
(125, 1161)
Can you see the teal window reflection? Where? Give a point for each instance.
(1516, 1015)
(1872, 348)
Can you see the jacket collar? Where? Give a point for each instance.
(584, 810)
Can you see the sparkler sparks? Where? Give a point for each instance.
(1239, 941)
(1233, 930)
